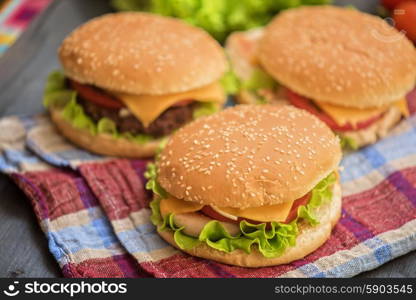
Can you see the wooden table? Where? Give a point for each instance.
(23, 69)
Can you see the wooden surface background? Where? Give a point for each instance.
(23, 69)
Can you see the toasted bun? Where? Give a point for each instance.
(143, 54)
(248, 156)
(103, 144)
(339, 56)
(309, 239)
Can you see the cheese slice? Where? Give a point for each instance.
(277, 213)
(347, 115)
(269, 213)
(173, 205)
(147, 108)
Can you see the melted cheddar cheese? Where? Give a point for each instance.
(268, 213)
(277, 213)
(173, 205)
(147, 108)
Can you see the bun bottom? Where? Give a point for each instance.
(102, 143)
(309, 239)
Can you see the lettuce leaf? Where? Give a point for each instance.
(55, 82)
(186, 242)
(259, 80)
(305, 213)
(271, 242)
(152, 184)
(217, 237)
(322, 193)
(160, 147)
(74, 113)
(218, 17)
(230, 82)
(127, 5)
(155, 217)
(56, 93)
(348, 143)
(138, 138)
(107, 126)
(205, 109)
(261, 100)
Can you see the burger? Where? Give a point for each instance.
(350, 69)
(252, 186)
(131, 79)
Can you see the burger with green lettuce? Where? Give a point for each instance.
(249, 186)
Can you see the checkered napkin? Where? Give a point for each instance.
(94, 210)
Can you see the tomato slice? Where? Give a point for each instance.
(306, 104)
(92, 94)
(294, 210)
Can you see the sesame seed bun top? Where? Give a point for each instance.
(143, 54)
(339, 56)
(248, 156)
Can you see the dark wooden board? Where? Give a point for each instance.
(23, 69)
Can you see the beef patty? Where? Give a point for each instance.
(170, 120)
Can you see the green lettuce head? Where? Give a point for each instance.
(218, 17)
(348, 143)
(259, 80)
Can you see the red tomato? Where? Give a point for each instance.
(391, 4)
(304, 103)
(294, 210)
(101, 98)
(94, 95)
(404, 17)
